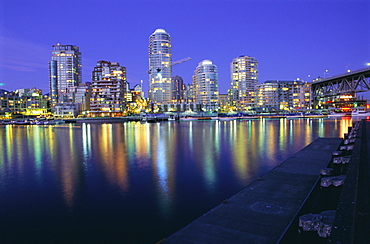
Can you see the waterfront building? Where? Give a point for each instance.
(223, 100)
(283, 95)
(24, 102)
(294, 95)
(77, 97)
(136, 103)
(160, 67)
(244, 78)
(108, 89)
(67, 110)
(189, 94)
(178, 89)
(81, 95)
(64, 71)
(205, 85)
(267, 95)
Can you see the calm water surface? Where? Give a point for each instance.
(134, 182)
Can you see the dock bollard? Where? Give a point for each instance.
(340, 164)
(338, 180)
(322, 222)
(326, 171)
(309, 222)
(341, 160)
(333, 180)
(326, 223)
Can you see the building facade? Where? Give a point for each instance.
(178, 89)
(81, 95)
(283, 95)
(29, 102)
(294, 95)
(108, 89)
(160, 67)
(267, 95)
(205, 85)
(64, 71)
(244, 78)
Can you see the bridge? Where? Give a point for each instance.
(333, 87)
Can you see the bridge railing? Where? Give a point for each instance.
(343, 75)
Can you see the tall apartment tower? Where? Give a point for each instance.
(109, 87)
(178, 89)
(64, 71)
(244, 78)
(160, 67)
(205, 85)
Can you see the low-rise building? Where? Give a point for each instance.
(25, 102)
(283, 95)
(67, 110)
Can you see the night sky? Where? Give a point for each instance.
(291, 39)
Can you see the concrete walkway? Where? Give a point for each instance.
(261, 212)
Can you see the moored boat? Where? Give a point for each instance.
(227, 118)
(188, 118)
(337, 115)
(21, 122)
(360, 112)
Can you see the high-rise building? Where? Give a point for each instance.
(205, 85)
(178, 89)
(160, 67)
(244, 78)
(64, 71)
(109, 86)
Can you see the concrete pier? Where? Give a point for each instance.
(264, 210)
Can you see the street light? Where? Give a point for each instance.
(347, 67)
(326, 72)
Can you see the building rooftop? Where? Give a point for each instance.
(157, 31)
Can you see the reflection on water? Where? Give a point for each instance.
(134, 181)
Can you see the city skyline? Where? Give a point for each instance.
(290, 39)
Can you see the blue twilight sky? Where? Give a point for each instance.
(290, 38)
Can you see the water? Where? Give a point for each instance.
(134, 182)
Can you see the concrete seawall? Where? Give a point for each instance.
(263, 211)
(319, 195)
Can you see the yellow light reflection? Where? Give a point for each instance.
(112, 157)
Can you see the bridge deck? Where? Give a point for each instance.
(262, 211)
